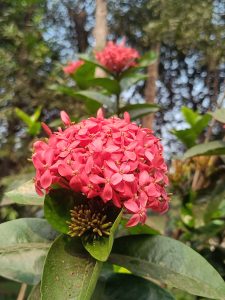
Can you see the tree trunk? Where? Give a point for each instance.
(150, 88)
(100, 31)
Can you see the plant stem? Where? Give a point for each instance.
(22, 292)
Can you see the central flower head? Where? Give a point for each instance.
(117, 57)
(124, 167)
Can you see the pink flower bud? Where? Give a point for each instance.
(65, 118)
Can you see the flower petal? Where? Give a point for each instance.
(116, 178)
(65, 170)
(128, 177)
(132, 206)
(134, 220)
(46, 179)
(107, 192)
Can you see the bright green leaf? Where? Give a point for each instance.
(23, 246)
(168, 261)
(191, 117)
(23, 116)
(210, 148)
(36, 114)
(128, 287)
(69, 271)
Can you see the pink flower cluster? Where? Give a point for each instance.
(113, 158)
(117, 57)
(72, 67)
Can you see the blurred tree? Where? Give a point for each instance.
(26, 70)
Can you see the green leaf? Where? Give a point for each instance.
(210, 148)
(132, 79)
(138, 229)
(24, 194)
(69, 271)
(219, 114)
(36, 114)
(88, 59)
(34, 128)
(168, 261)
(84, 73)
(23, 246)
(23, 116)
(100, 249)
(216, 202)
(128, 287)
(111, 85)
(147, 59)
(94, 96)
(186, 136)
(190, 116)
(91, 105)
(57, 206)
(139, 110)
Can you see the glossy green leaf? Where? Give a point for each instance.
(128, 287)
(111, 85)
(170, 262)
(132, 79)
(57, 206)
(23, 247)
(100, 249)
(69, 271)
(139, 110)
(219, 115)
(24, 194)
(210, 148)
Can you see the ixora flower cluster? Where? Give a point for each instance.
(117, 57)
(113, 159)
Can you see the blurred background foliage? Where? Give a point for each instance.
(186, 78)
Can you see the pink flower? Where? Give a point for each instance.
(138, 209)
(113, 159)
(117, 57)
(72, 67)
